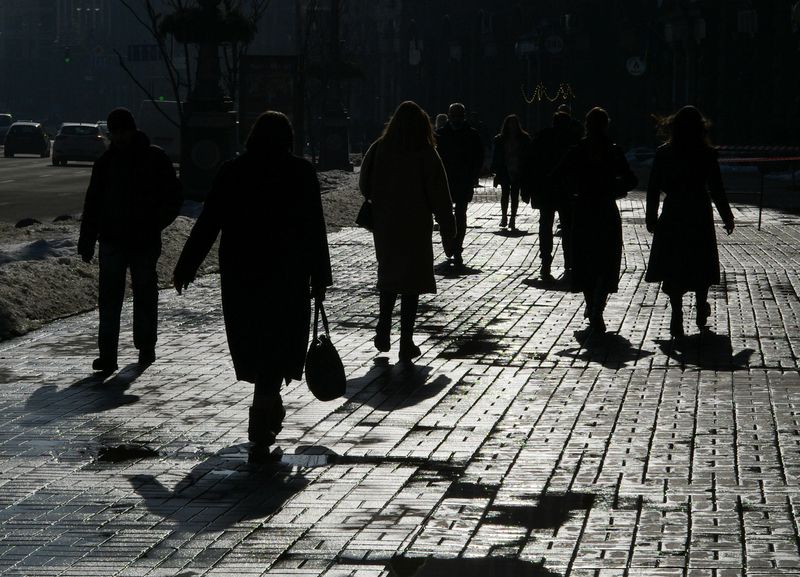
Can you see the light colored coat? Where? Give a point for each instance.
(405, 189)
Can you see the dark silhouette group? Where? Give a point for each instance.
(411, 175)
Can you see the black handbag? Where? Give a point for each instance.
(364, 218)
(324, 370)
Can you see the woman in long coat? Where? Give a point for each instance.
(273, 256)
(511, 151)
(598, 173)
(404, 179)
(684, 257)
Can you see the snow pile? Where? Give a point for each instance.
(42, 278)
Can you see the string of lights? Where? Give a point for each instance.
(564, 92)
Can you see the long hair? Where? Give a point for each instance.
(687, 129)
(597, 121)
(272, 133)
(512, 127)
(409, 129)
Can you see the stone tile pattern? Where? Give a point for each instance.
(626, 455)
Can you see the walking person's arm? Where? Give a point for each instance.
(437, 192)
(653, 195)
(90, 220)
(204, 234)
(171, 197)
(719, 196)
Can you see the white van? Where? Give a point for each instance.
(161, 131)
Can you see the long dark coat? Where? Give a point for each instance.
(461, 151)
(499, 166)
(684, 253)
(273, 249)
(597, 172)
(405, 189)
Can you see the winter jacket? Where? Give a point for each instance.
(461, 151)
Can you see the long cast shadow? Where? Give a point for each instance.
(227, 483)
(557, 286)
(706, 350)
(610, 350)
(400, 386)
(91, 394)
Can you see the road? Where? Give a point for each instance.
(32, 187)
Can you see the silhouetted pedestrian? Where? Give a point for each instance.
(441, 120)
(684, 253)
(132, 196)
(403, 178)
(600, 175)
(273, 256)
(511, 151)
(550, 196)
(461, 151)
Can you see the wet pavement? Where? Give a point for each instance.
(519, 444)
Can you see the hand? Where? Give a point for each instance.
(650, 228)
(180, 283)
(87, 257)
(729, 226)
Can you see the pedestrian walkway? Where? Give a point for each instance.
(518, 444)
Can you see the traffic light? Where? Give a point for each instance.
(67, 55)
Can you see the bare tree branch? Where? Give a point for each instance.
(141, 86)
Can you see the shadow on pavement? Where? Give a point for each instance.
(512, 233)
(706, 350)
(479, 344)
(225, 484)
(448, 270)
(537, 283)
(92, 394)
(487, 567)
(611, 350)
(386, 387)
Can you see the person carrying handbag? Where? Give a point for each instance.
(268, 271)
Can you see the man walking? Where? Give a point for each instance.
(461, 150)
(132, 196)
(549, 196)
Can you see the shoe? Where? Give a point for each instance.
(104, 365)
(545, 275)
(503, 222)
(147, 357)
(266, 423)
(408, 350)
(458, 261)
(703, 312)
(382, 338)
(676, 324)
(512, 224)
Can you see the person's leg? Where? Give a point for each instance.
(599, 299)
(113, 264)
(565, 218)
(408, 317)
(504, 194)
(383, 330)
(546, 217)
(703, 308)
(144, 282)
(588, 297)
(461, 225)
(676, 319)
(267, 412)
(514, 193)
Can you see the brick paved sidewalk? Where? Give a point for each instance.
(509, 440)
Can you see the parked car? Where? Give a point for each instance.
(78, 141)
(6, 120)
(26, 137)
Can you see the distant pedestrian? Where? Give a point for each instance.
(551, 196)
(273, 257)
(403, 178)
(441, 120)
(461, 151)
(511, 152)
(600, 175)
(132, 196)
(684, 253)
